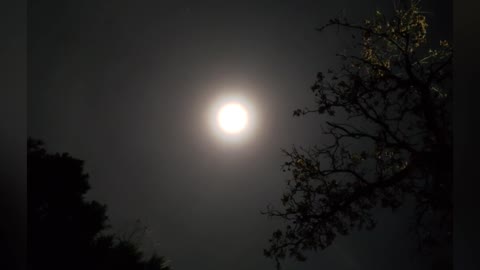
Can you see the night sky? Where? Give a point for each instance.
(127, 87)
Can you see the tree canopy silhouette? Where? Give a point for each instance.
(65, 231)
(388, 138)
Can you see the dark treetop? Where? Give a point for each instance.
(393, 145)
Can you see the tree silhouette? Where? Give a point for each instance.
(390, 139)
(64, 230)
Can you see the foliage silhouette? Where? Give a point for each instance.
(64, 230)
(390, 139)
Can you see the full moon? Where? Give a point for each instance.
(232, 118)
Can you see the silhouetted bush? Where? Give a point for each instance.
(65, 231)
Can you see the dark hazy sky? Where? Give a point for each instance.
(125, 85)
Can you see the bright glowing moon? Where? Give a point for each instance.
(232, 118)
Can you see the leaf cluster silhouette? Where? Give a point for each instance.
(388, 139)
(65, 231)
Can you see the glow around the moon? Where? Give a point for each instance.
(232, 118)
